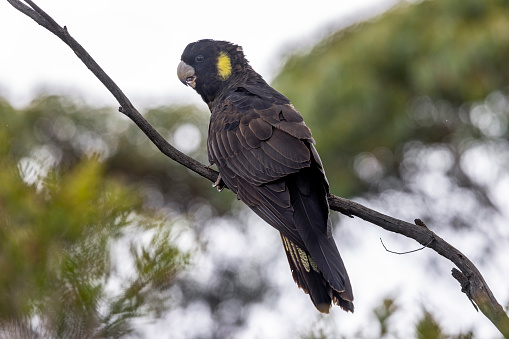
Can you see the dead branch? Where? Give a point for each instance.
(471, 281)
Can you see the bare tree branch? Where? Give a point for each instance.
(126, 107)
(471, 281)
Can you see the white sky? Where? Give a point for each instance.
(139, 43)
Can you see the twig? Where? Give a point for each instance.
(412, 251)
(471, 280)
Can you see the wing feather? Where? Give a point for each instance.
(291, 148)
(249, 136)
(234, 142)
(227, 146)
(243, 143)
(265, 155)
(261, 129)
(253, 147)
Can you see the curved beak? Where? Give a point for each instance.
(186, 74)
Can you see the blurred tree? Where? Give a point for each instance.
(383, 313)
(58, 230)
(411, 111)
(58, 132)
(427, 327)
(67, 130)
(409, 75)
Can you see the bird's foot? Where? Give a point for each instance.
(219, 184)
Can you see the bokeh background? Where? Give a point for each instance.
(103, 236)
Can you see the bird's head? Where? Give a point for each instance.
(210, 66)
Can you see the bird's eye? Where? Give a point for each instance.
(199, 58)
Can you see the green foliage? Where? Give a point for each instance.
(428, 327)
(56, 237)
(367, 90)
(50, 138)
(68, 129)
(383, 313)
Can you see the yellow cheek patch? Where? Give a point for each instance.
(224, 66)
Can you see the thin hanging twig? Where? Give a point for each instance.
(412, 251)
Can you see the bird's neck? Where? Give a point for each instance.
(238, 79)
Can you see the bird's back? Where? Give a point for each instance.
(265, 154)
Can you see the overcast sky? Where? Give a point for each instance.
(139, 43)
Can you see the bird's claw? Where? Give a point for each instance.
(219, 184)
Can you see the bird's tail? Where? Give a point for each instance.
(309, 278)
(318, 268)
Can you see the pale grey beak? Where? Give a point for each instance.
(186, 74)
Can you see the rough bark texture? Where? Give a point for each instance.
(471, 281)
